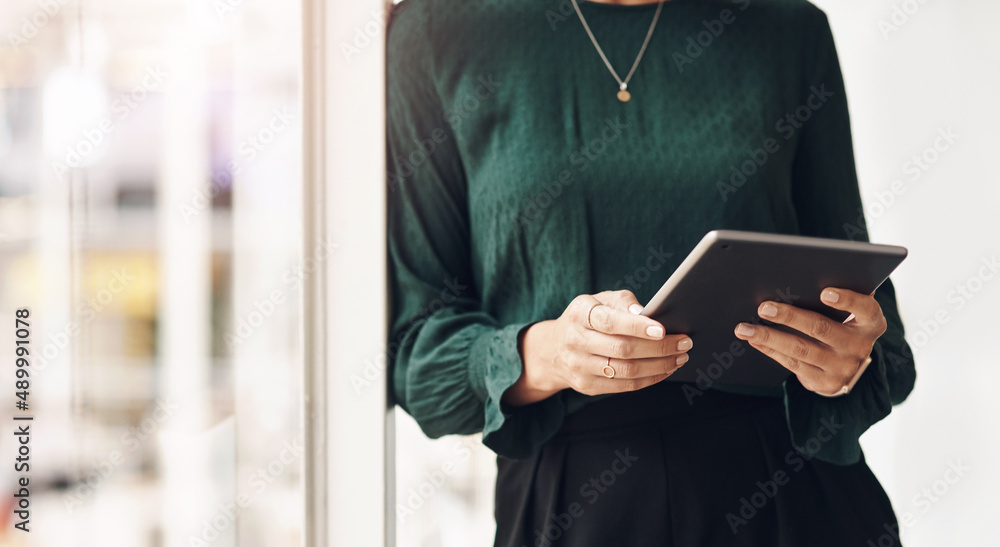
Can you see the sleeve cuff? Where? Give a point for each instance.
(829, 429)
(495, 364)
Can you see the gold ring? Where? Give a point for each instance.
(608, 367)
(589, 324)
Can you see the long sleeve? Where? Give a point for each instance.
(450, 360)
(828, 204)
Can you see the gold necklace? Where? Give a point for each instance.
(623, 94)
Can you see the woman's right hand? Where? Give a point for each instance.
(600, 344)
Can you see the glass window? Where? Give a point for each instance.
(150, 197)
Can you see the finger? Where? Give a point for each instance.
(621, 300)
(863, 307)
(800, 352)
(602, 385)
(811, 378)
(812, 324)
(631, 347)
(633, 369)
(584, 307)
(609, 320)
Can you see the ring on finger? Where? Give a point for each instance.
(609, 371)
(590, 311)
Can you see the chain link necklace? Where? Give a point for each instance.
(623, 94)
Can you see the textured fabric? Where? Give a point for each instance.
(648, 469)
(518, 181)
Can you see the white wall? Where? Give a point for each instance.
(938, 70)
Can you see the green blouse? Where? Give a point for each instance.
(518, 181)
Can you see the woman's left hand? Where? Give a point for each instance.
(824, 354)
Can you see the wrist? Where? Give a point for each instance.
(849, 385)
(537, 381)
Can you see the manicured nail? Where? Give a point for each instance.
(682, 358)
(654, 332)
(636, 309)
(769, 310)
(744, 330)
(685, 344)
(830, 296)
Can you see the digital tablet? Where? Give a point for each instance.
(727, 276)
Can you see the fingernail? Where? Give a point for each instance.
(682, 358)
(830, 296)
(769, 310)
(636, 309)
(744, 330)
(685, 344)
(654, 332)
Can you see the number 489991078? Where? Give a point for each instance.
(22, 340)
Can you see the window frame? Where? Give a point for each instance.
(349, 465)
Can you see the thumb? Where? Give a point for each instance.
(623, 300)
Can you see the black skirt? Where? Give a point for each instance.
(647, 468)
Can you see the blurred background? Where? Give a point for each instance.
(150, 206)
(125, 128)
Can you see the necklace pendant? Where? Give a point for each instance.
(624, 96)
